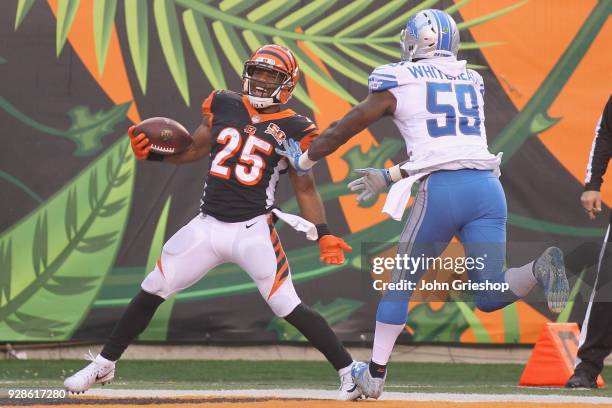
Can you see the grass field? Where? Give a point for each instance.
(225, 375)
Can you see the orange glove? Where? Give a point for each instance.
(140, 144)
(331, 249)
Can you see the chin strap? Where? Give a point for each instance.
(261, 103)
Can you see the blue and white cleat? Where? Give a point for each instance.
(549, 270)
(370, 387)
(348, 389)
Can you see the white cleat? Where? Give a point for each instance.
(370, 387)
(97, 372)
(549, 270)
(348, 389)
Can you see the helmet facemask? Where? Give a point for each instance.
(265, 85)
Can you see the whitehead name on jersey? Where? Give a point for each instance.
(440, 106)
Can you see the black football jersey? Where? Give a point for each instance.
(244, 167)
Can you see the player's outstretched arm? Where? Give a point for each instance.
(372, 108)
(368, 111)
(331, 248)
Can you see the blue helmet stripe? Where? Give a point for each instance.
(445, 30)
(449, 34)
(450, 31)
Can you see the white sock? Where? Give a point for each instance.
(384, 340)
(521, 279)
(344, 371)
(102, 361)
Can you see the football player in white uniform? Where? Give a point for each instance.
(437, 104)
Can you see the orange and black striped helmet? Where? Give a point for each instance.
(278, 84)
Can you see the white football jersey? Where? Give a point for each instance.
(440, 107)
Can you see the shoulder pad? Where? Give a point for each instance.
(383, 78)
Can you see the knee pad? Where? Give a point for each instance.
(283, 303)
(156, 284)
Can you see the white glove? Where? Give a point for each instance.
(373, 182)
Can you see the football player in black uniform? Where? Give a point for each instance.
(239, 132)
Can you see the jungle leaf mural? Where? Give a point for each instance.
(50, 283)
(87, 129)
(339, 38)
(66, 247)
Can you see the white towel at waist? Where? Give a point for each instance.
(399, 194)
(298, 223)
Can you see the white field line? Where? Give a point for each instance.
(326, 394)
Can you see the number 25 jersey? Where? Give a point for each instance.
(244, 167)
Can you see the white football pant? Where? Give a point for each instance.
(206, 242)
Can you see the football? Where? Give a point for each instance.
(166, 136)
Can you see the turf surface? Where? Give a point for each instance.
(202, 375)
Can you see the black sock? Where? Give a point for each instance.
(312, 325)
(134, 320)
(377, 370)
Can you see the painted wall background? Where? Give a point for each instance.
(82, 223)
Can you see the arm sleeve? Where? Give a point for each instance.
(601, 150)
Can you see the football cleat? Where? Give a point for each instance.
(549, 270)
(581, 380)
(370, 387)
(96, 372)
(348, 389)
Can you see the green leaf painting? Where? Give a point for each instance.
(66, 248)
(87, 129)
(341, 35)
(104, 10)
(445, 324)
(65, 17)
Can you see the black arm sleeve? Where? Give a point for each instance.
(601, 152)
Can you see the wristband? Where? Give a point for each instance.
(396, 173)
(155, 157)
(304, 162)
(322, 229)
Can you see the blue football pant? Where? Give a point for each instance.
(466, 203)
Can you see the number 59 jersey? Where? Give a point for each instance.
(244, 167)
(440, 105)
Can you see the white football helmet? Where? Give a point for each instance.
(428, 34)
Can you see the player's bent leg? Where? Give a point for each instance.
(426, 234)
(494, 291)
(261, 255)
(185, 259)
